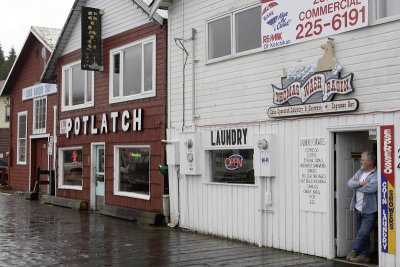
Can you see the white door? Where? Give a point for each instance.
(99, 176)
(346, 166)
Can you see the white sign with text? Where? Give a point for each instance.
(313, 173)
(289, 22)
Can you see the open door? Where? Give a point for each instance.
(346, 166)
(98, 176)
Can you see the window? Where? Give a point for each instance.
(7, 113)
(232, 166)
(77, 87)
(132, 71)
(388, 8)
(132, 171)
(39, 115)
(245, 27)
(21, 138)
(71, 168)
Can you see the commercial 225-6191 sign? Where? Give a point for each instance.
(289, 22)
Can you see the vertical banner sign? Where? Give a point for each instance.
(286, 22)
(388, 213)
(313, 174)
(91, 39)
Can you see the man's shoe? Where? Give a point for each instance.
(352, 254)
(360, 259)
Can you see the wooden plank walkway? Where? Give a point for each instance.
(42, 235)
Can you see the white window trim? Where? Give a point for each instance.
(143, 94)
(61, 169)
(116, 174)
(84, 105)
(233, 54)
(208, 171)
(43, 130)
(23, 113)
(374, 11)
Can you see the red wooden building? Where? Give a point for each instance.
(31, 109)
(110, 121)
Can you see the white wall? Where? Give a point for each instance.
(129, 16)
(238, 92)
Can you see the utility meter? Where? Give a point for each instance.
(264, 155)
(189, 151)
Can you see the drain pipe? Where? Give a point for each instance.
(54, 148)
(194, 61)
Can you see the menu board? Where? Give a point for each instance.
(313, 174)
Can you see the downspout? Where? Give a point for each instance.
(55, 148)
(194, 61)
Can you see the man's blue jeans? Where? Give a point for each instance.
(365, 224)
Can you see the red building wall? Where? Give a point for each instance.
(153, 121)
(26, 72)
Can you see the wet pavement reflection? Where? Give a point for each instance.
(36, 234)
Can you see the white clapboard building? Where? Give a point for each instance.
(270, 105)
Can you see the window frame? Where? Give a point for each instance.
(120, 50)
(86, 104)
(374, 14)
(61, 184)
(41, 130)
(116, 167)
(210, 180)
(20, 114)
(232, 15)
(7, 113)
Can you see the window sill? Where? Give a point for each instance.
(21, 163)
(88, 105)
(132, 195)
(385, 20)
(230, 184)
(237, 55)
(70, 187)
(130, 98)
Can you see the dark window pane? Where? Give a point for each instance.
(232, 166)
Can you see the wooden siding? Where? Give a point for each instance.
(29, 73)
(238, 91)
(154, 121)
(119, 16)
(371, 53)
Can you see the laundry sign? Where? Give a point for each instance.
(388, 190)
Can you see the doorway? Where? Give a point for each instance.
(98, 175)
(39, 159)
(347, 153)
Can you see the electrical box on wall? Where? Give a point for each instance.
(189, 144)
(265, 155)
(172, 149)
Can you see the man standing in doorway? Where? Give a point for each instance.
(365, 205)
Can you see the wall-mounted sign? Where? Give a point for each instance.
(339, 106)
(91, 39)
(38, 90)
(388, 192)
(289, 22)
(313, 174)
(128, 120)
(229, 137)
(316, 83)
(234, 162)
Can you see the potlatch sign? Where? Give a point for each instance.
(289, 22)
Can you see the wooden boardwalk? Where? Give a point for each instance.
(34, 234)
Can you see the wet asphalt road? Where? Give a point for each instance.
(35, 234)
